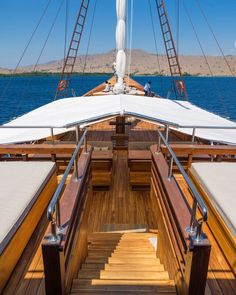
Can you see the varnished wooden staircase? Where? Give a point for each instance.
(122, 264)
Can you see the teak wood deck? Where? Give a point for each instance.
(119, 205)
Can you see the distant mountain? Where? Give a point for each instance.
(142, 63)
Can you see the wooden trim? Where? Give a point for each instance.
(186, 261)
(54, 269)
(74, 241)
(201, 149)
(197, 262)
(15, 149)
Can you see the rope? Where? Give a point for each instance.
(41, 52)
(130, 38)
(214, 36)
(155, 42)
(206, 60)
(26, 48)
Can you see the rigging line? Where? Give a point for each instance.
(130, 38)
(89, 41)
(26, 47)
(205, 58)
(177, 27)
(66, 27)
(214, 36)
(41, 52)
(155, 42)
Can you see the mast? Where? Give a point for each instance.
(120, 45)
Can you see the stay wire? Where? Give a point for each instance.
(26, 48)
(177, 26)
(206, 60)
(89, 41)
(216, 40)
(130, 38)
(156, 48)
(66, 27)
(40, 55)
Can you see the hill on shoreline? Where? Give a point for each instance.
(142, 63)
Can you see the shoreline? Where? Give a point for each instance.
(56, 74)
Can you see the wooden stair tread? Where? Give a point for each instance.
(128, 267)
(144, 261)
(120, 292)
(123, 285)
(124, 228)
(122, 263)
(123, 275)
(121, 248)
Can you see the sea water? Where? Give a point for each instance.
(21, 94)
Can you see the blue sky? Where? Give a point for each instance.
(19, 17)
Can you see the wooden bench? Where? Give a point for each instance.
(139, 163)
(187, 153)
(26, 190)
(102, 170)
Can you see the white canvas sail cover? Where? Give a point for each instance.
(83, 110)
(120, 45)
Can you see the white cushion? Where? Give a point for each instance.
(219, 180)
(20, 184)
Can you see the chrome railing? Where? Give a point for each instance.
(195, 229)
(53, 211)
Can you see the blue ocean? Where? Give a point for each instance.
(19, 95)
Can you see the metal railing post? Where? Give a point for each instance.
(212, 156)
(76, 168)
(158, 143)
(193, 217)
(198, 237)
(170, 168)
(167, 133)
(77, 133)
(54, 237)
(193, 134)
(58, 214)
(85, 144)
(52, 135)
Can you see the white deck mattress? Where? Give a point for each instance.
(219, 180)
(20, 185)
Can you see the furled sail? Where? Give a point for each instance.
(120, 44)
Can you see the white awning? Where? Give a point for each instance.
(66, 113)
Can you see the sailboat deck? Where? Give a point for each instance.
(120, 205)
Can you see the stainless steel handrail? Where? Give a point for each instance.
(195, 225)
(54, 206)
(114, 114)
